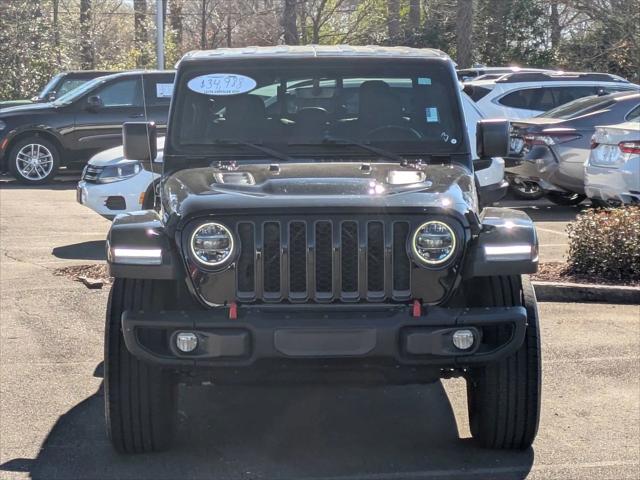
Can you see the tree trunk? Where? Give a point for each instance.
(56, 31)
(393, 20)
(464, 27)
(556, 30)
(203, 25)
(175, 20)
(289, 23)
(86, 50)
(140, 31)
(414, 15)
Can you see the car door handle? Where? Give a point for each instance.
(137, 115)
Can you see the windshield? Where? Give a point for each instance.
(78, 92)
(405, 109)
(578, 107)
(49, 86)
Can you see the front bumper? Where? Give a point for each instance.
(315, 332)
(111, 199)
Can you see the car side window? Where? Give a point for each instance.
(633, 114)
(122, 93)
(158, 90)
(520, 98)
(564, 95)
(68, 85)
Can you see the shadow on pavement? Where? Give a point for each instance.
(92, 250)
(553, 213)
(294, 432)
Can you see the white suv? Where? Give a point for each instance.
(522, 95)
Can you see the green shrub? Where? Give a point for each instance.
(605, 243)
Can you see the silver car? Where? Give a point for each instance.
(553, 148)
(612, 174)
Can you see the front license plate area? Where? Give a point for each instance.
(324, 342)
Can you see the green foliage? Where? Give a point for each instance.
(605, 243)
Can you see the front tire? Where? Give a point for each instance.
(34, 160)
(566, 199)
(504, 397)
(140, 399)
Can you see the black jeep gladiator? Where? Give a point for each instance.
(311, 232)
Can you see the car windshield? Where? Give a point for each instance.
(78, 92)
(578, 107)
(406, 108)
(49, 86)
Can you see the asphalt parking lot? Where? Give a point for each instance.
(51, 405)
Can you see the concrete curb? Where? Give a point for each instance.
(586, 292)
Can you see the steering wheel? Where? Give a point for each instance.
(394, 132)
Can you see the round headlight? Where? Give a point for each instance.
(212, 244)
(433, 242)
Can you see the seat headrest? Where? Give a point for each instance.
(245, 107)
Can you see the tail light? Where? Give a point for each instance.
(550, 138)
(630, 147)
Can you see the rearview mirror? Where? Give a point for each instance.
(140, 141)
(492, 138)
(94, 103)
(51, 96)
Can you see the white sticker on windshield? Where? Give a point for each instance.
(221, 84)
(164, 90)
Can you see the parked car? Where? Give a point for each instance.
(518, 96)
(112, 184)
(350, 249)
(612, 174)
(553, 148)
(473, 73)
(59, 85)
(35, 140)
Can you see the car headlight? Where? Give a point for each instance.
(212, 244)
(121, 171)
(3, 125)
(433, 243)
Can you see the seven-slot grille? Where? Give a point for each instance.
(91, 173)
(323, 260)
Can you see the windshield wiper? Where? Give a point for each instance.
(330, 140)
(269, 151)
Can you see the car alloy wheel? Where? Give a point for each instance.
(34, 161)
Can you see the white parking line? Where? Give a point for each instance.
(548, 230)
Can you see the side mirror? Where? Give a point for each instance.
(492, 138)
(140, 141)
(94, 103)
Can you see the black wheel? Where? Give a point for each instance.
(504, 397)
(565, 198)
(34, 160)
(140, 399)
(525, 189)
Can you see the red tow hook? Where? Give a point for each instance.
(417, 309)
(233, 311)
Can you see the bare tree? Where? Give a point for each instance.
(175, 19)
(556, 29)
(140, 28)
(414, 15)
(464, 27)
(86, 48)
(289, 23)
(393, 20)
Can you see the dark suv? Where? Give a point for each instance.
(35, 140)
(59, 85)
(314, 235)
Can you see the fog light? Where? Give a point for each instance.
(186, 342)
(463, 339)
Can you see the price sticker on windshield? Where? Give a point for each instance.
(221, 84)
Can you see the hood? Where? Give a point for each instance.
(116, 154)
(28, 108)
(320, 185)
